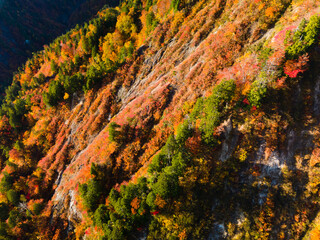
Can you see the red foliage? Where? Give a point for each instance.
(293, 67)
(281, 82)
(246, 101)
(155, 212)
(243, 70)
(194, 143)
(280, 37)
(294, 73)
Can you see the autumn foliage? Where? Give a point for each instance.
(175, 120)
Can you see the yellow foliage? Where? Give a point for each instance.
(261, 6)
(38, 173)
(178, 19)
(93, 29)
(3, 198)
(125, 25)
(64, 54)
(246, 88)
(109, 48)
(242, 155)
(66, 96)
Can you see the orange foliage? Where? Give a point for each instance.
(293, 67)
(135, 204)
(315, 234)
(160, 202)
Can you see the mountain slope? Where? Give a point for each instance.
(25, 26)
(168, 120)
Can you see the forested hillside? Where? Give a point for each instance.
(26, 25)
(168, 120)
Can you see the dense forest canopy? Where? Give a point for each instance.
(26, 25)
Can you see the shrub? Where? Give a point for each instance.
(93, 77)
(125, 25)
(180, 162)
(14, 218)
(150, 200)
(149, 4)
(113, 132)
(125, 52)
(175, 4)
(74, 83)
(55, 94)
(6, 182)
(184, 131)
(3, 231)
(54, 67)
(209, 110)
(91, 193)
(12, 91)
(118, 230)
(304, 38)
(158, 163)
(13, 197)
(37, 208)
(125, 206)
(151, 21)
(167, 186)
(101, 216)
(221, 95)
(257, 93)
(4, 211)
(15, 111)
